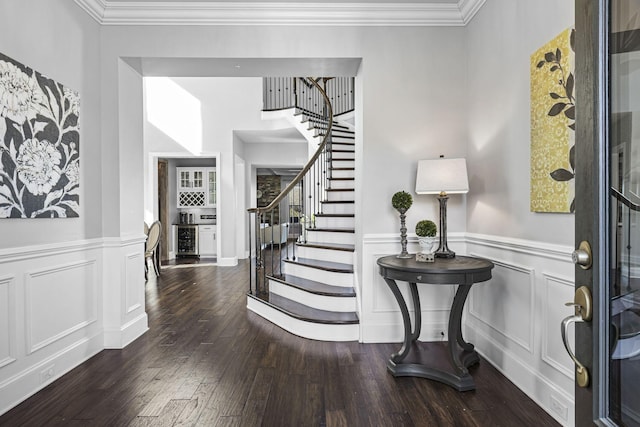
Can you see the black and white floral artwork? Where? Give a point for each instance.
(39, 145)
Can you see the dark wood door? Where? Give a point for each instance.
(163, 208)
(607, 208)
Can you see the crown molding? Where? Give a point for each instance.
(95, 8)
(469, 8)
(108, 12)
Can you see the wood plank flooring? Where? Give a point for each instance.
(208, 361)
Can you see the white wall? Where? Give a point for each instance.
(501, 39)
(72, 58)
(514, 319)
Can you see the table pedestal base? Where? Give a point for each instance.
(415, 366)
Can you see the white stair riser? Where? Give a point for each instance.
(339, 136)
(321, 254)
(343, 174)
(342, 155)
(343, 163)
(311, 330)
(336, 136)
(330, 237)
(342, 183)
(334, 196)
(343, 145)
(338, 208)
(331, 278)
(331, 222)
(320, 302)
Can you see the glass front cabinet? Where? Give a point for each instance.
(196, 187)
(211, 185)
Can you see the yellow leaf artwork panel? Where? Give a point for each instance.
(552, 125)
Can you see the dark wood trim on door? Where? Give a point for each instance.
(592, 197)
(163, 208)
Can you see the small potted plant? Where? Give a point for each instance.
(402, 201)
(426, 231)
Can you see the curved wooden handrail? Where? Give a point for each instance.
(625, 201)
(311, 161)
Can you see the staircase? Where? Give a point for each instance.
(313, 295)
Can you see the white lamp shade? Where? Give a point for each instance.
(438, 175)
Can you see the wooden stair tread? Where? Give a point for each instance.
(342, 179)
(334, 130)
(333, 230)
(343, 169)
(336, 267)
(306, 313)
(340, 215)
(333, 246)
(314, 287)
(333, 135)
(337, 201)
(341, 189)
(336, 125)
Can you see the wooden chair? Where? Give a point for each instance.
(153, 239)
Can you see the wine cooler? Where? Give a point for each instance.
(187, 239)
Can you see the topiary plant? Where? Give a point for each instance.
(426, 228)
(402, 201)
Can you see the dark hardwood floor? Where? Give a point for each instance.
(208, 361)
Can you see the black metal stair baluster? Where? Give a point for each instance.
(286, 242)
(251, 278)
(309, 210)
(317, 194)
(266, 99)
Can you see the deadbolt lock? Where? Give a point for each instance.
(583, 256)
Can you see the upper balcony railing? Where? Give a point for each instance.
(297, 92)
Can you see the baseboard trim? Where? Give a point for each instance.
(26, 383)
(227, 262)
(120, 338)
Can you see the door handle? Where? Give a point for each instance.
(582, 256)
(583, 313)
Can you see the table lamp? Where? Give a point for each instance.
(442, 177)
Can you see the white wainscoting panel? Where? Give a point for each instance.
(514, 319)
(556, 289)
(7, 320)
(380, 317)
(512, 283)
(134, 292)
(59, 300)
(50, 314)
(124, 315)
